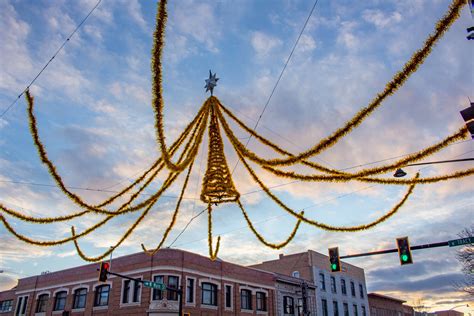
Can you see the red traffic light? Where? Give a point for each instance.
(103, 271)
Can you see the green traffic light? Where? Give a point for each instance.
(404, 258)
(333, 266)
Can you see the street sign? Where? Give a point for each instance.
(461, 241)
(155, 285)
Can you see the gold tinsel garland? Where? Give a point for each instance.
(261, 238)
(218, 167)
(462, 133)
(122, 209)
(323, 225)
(392, 86)
(212, 253)
(217, 184)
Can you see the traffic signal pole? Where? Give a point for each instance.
(451, 243)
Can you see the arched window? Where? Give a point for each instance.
(209, 294)
(42, 303)
(295, 274)
(80, 296)
(102, 295)
(60, 301)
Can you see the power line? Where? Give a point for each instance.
(281, 75)
(51, 59)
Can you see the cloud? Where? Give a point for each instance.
(264, 44)
(380, 19)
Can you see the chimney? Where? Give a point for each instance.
(281, 256)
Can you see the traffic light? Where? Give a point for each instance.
(468, 116)
(404, 253)
(334, 261)
(103, 271)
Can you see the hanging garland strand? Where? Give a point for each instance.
(265, 141)
(391, 87)
(320, 224)
(157, 90)
(212, 253)
(173, 219)
(52, 169)
(359, 176)
(261, 238)
(122, 209)
(167, 183)
(462, 133)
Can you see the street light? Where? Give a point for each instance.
(401, 173)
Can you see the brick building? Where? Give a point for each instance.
(210, 288)
(382, 305)
(449, 313)
(343, 293)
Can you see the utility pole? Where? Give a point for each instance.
(304, 294)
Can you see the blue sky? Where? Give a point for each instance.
(95, 118)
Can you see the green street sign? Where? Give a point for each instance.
(155, 285)
(461, 241)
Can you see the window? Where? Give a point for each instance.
(335, 308)
(353, 290)
(6, 306)
(295, 274)
(228, 296)
(288, 305)
(209, 294)
(346, 309)
(102, 295)
(126, 291)
(343, 287)
(355, 309)
(190, 291)
(60, 301)
(136, 291)
(322, 280)
(324, 306)
(158, 294)
(21, 305)
(333, 284)
(80, 296)
(42, 303)
(173, 282)
(130, 291)
(363, 311)
(245, 299)
(361, 291)
(261, 301)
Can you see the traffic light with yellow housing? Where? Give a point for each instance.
(404, 252)
(334, 261)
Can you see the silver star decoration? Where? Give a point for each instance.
(211, 82)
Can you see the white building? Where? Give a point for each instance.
(337, 294)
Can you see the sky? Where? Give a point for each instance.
(93, 105)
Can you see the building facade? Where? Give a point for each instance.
(210, 288)
(343, 293)
(382, 305)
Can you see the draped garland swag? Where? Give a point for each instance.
(218, 186)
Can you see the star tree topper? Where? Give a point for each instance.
(211, 82)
